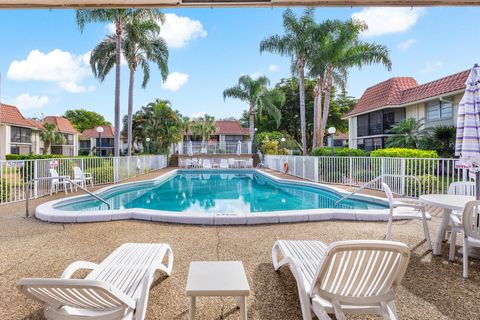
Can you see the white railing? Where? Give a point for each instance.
(15, 174)
(215, 148)
(435, 174)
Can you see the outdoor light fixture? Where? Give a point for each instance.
(148, 145)
(332, 131)
(100, 131)
(283, 145)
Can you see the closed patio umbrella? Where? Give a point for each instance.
(467, 144)
(239, 148)
(190, 148)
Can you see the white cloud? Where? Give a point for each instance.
(174, 81)
(431, 66)
(26, 101)
(382, 21)
(178, 31)
(273, 68)
(58, 66)
(198, 114)
(407, 44)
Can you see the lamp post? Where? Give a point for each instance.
(148, 145)
(332, 131)
(283, 145)
(100, 131)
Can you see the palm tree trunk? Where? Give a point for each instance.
(326, 102)
(252, 123)
(301, 73)
(130, 111)
(315, 117)
(118, 46)
(320, 129)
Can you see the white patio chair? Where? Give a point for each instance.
(358, 276)
(231, 163)
(207, 164)
(469, 223)
(224, 164)
(396, 203)
(117, 288)
(249, 163)
(462, 188)
(81, 177)
(181, 163)
(194, 162)
(188, 163)
(58, 181)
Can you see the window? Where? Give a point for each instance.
(20, 135)
(233, 138)
(439, 110)
(85, 144)
(362, 125)
(68, 139)
(14, 150)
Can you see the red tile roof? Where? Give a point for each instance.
(230, 127)
(108, 132)
(400, 91)
(63, 124)
(11, 115)
(35, 123)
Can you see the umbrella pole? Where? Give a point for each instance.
(477, 184)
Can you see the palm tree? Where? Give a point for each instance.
(258, 96)
(49, 136)
(342, 50)
(408, 134)
(141, 43)
(296, 43)
(119, 18)
(186, 126)
(204, 127)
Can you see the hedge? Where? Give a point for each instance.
(32, 156)
(339, 152)
(404, 153)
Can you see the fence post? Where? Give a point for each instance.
(303, 167)
(35, 176)
(115, 170)
(382, 169)
(402, 179)
(294, 166)
(315, 168)
(350, 176)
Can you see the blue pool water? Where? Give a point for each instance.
(218, 192)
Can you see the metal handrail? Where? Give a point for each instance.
(67, 178)
(375, 180)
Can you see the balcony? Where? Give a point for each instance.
(215, 148)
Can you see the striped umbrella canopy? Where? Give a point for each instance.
(239, 148)
(467, 144)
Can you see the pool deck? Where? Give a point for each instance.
(433, 288)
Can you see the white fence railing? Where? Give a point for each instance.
(15, 174)
(435, 174)
(215, 147)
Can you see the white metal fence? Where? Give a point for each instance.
(216, 147)
(401, 174)
(15, 174)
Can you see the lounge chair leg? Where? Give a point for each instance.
(338, 310)
(191, 313)
(465, 257)
(425, 229)
(388, 236)
(242, 304)
(453, 241)
(392, 311)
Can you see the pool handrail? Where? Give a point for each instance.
(67, 178)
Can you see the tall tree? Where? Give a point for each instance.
(256, 93)
(204, 127)
(83, 119)
(296, 43)
(119, 18)
(141, 44)
(342, 50)
(49, 135)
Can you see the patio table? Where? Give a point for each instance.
(448, 203)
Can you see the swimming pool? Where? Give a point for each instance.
(213, 195)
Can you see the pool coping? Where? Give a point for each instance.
(47, 211)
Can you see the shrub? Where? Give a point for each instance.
(32, 156)
(5, 190)
(339, 152)
(404, 153)
(428, 185)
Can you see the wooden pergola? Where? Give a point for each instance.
(6, 4)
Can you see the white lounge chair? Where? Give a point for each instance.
(471, 230)
(231, 163)
(117, 288)
(188, 163)
(346, 277)
(249, 163)
(81, 177)
(224, 164)
(58, 181)
(207, 164)
(462, 188)
(406, 203)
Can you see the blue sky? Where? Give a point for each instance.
(43, 55)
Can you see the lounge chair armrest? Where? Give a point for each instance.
(456, 220)
(77, 265)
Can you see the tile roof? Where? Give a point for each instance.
(230, 127)
(35, 123)
(11, 115)
(400, 91)
(63, 124)
(108, 132)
